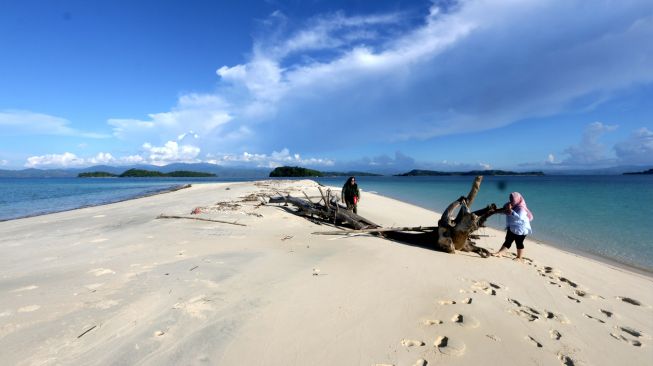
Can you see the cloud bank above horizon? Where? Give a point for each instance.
(387, 78)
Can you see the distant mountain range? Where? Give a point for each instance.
(418, 172)
(248, 172)
(222, 172)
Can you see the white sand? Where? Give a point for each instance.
(113, 285)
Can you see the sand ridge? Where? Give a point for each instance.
(115, 285)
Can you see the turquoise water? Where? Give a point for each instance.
(21, 197)
(608, 216)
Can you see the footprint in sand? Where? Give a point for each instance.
(582, 293)
(568, 281)
(448, 346)
(594, 318)
(465, 321)
(534, 341)
(634, 332)
(446, 302)
(432, 322)
(559, 317)
(467, 300)
(566, 360)
(29, 308)
(555, 334)
(527, 312)
(420, 362)
(514, 302)
(488, 288)
(632, 342)
(629, 300)
(573, 299)
(411, 343)
(524, 314)
(607, 313)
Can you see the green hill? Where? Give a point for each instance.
(96, 175)
(142, 173)
(646, 172)
(417, 172)
(294, 171)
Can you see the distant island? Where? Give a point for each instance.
(646, 172)
(295, 171)
(142, 173)
(418, 172)
(96, 175)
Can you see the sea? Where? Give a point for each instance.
(607, 217)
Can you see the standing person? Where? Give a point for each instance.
(518, 224)
(350, 194)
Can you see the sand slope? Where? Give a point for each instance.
(113, 285)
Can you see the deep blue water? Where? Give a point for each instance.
(608, 216)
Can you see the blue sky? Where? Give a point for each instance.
(371, 85)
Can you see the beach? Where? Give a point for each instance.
(115, 285)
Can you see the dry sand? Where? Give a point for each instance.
(113, 285)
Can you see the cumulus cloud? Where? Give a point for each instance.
(17, 123)
(171, 152)
(273, 160)
(202, 113)
(471, 67)
(64, 160)
(70, 160)
(3, 162)
(637, 149)
(589, 151)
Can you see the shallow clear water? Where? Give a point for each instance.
(20, 197)
(609, 216)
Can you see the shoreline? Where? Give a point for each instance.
(152, 193)
(112, 284)
(648, 272)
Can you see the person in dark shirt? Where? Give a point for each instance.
(351, 195)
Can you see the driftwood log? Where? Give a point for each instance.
(330, 211)
(454, 230)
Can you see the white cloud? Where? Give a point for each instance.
(550, 159)
(102, 158)
(70, 160)
(637, 149)
(589, 150)
(65, 160)
(3, 162)
(171, 152)
(475, 66)
(201, 113)
(273, 160)
(17, 122)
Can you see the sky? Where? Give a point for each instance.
(333, 85)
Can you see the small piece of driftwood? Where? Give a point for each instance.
(162, 216)
(86, 331)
